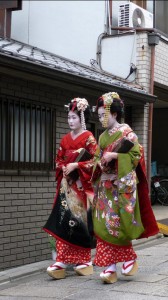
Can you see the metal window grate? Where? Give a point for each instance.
(27, 135)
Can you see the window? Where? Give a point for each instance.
(27, 135)
(161, 13)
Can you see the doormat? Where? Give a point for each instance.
(163, 226)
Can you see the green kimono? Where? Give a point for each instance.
(116, 215)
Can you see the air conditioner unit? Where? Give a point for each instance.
(132, 15)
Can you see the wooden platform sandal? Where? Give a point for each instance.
(131, 271)
(84, 269)
(57, 270)
(108, 276)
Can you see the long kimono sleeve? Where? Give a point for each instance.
(126, 168)
(97, 171)
(60, 162)
(131, 177)
(85, 168)
(127, 162)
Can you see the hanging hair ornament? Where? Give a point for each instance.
(108, 100)
(66, 107)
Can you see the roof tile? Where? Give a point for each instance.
(50, 60)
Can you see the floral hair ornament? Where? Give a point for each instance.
(108, 100)
(80, 104)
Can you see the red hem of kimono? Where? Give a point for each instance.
(71, 255)
(57, 237)
(108, 254)
(120, 246)
(147, 215)
(147, 234)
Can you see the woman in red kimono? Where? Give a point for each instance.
(70, 221)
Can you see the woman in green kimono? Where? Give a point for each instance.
(122, 210)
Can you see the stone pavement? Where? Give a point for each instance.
(151, 282)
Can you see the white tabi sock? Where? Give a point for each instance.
(111, 268)
(127, 266)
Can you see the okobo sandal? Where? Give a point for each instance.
(57, 270)
(84, 269)
(130, 269)
(108, 276)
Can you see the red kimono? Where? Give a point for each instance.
(70, 221)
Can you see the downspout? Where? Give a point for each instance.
(110, 11)
(153, 40)
(150, 116)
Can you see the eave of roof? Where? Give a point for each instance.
(18, 55)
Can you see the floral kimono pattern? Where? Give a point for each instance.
(70, 219)
(117, 213)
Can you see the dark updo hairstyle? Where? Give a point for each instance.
(87, 112)
(116, 107)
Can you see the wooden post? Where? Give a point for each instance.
(6, 8)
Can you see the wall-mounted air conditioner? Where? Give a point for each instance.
(132, 15)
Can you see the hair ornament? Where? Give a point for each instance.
(67, 107)
(108, 100)
(80, 104)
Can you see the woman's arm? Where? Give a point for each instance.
(60, 162)
(108, 156)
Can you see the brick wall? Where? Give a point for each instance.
(161, 62)
(26, 200)
(140, 114)
(143, 56)
(140, 125)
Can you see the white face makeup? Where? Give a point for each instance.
(74, 121)
(111, 118)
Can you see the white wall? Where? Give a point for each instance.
(66, 28)
(71, 29)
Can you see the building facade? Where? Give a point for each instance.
(69, 53)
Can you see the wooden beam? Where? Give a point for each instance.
(6, 8)
(13, 5)
(5, 23)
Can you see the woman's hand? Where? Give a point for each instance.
(108, 156)
(63, 170)
(69, 168)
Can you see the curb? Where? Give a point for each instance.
(13, 274)
(147, 240)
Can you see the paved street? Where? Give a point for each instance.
(31, 282)
(150, 283)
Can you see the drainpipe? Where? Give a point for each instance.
(153, 40)
(150, 117)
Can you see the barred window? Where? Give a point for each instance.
(27, 135)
